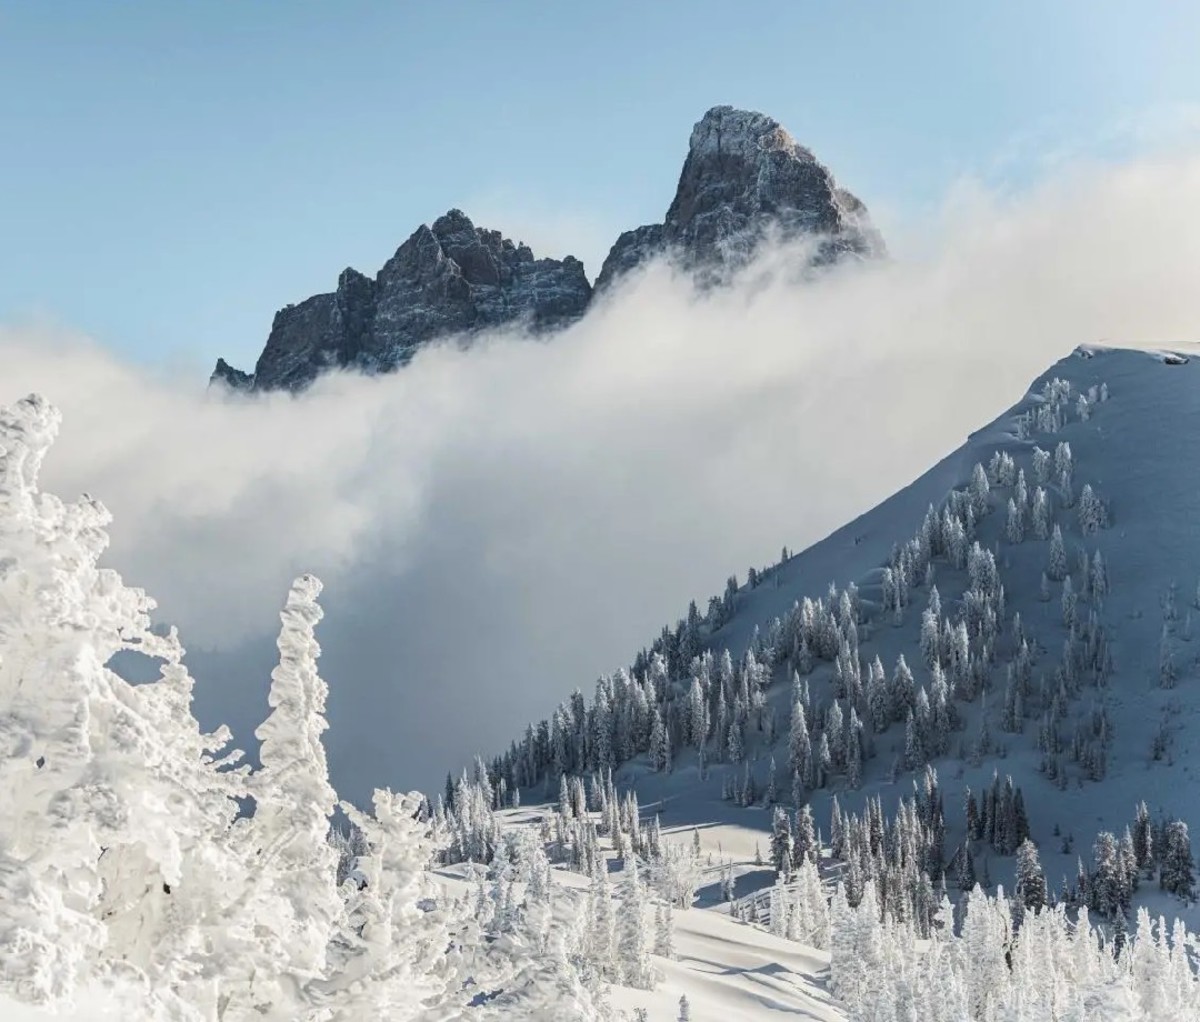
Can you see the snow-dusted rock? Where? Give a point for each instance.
(743, 178)
(451, 278)
(744, 175)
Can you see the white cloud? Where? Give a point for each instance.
(496, 527)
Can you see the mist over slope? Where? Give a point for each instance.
(496, 527)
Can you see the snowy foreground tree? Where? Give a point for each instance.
(1051, 967)
(128, 873)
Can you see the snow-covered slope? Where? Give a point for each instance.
(730, 972)
(1138, 452)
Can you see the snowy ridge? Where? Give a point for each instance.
(1135, 450)
(1148, 546)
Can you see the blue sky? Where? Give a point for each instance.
(171, 173)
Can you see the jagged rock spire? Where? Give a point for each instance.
(744, 174)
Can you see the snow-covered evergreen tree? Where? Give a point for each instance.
(1056, 570)
(1178, 868)
(1031, 880)
(388, 957)
(664, 931)
(1093, 515)
(293, 802)
(632, 953)
(660, 748)
(90, 761)
(1014, 529)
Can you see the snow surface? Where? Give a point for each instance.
(731, 972)
(1139, 451)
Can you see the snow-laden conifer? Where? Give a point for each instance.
(1056, 569)
(632, 952)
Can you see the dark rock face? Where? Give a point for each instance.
(743, 177)
(451, 278)
(232, 378)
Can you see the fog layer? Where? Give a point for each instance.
(497, 526)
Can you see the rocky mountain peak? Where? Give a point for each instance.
(743, 178)
(741, 134)
(449, 278)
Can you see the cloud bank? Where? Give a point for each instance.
(496, 527)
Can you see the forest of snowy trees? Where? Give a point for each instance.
(988, 679)
(141, 860)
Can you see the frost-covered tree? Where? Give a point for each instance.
(903, 695)
(879, 699)
(1042, 516)
(855, 750)
(799, 742)
(1062, 459)
(93, 865)
(915, 753)
(1093, 515)
(660, 743)
(735, 749)
(979, 490)
(676, 872)
(1108, 886)
(601, 937)
(294, 800)
(781, 843)
(985, 933)
(835, 732)
(1098, 581)
(1178, 868)
(1057, 567)
(664, 931)
(1014, 529)
(388, 956)
(636, 970)
(1143, 841)
(1031, 880)
(1041, 465)
(124, 865)
(930, 637)
(810, 907)
(1069, 603)
(1168, 673)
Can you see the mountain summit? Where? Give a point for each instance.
(448, 278)
(744, 177)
